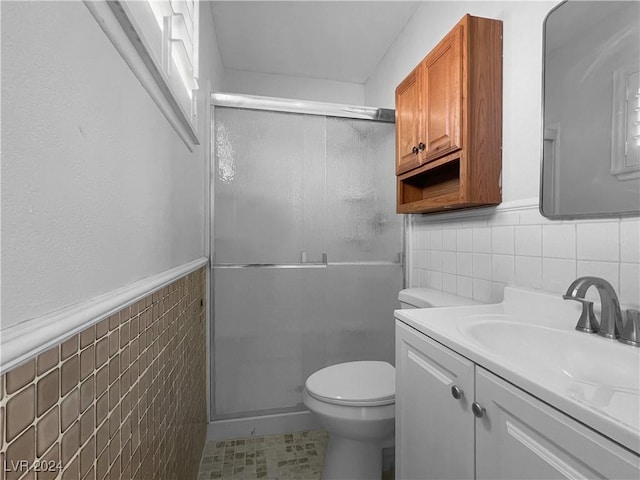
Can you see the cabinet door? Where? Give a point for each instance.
(442, 78)
(434, 431)
(408, 122)
(521, 437)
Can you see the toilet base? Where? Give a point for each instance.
(348, 459)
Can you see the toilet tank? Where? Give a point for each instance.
(421, 297)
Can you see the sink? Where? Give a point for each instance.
(583, 358)
(530, 341)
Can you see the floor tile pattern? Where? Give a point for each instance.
(290, 456)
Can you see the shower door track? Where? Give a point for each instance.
(255, 102)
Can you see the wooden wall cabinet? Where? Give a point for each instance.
(449, 122)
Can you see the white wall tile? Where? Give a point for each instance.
(482, 266)
(630, 241)
(559, 241)
(502, 268)
(449, 283)
(610, 271)
(502, 240)
(449, 240)
(630, 284)
(482, 290)
(435, 280)
(479, 255)
(598, 241)
(416, 240)
(449, 262)
(420, 278)
(421, 259)
(482, 240)
(465, 286)
(497, 292)
(436, 240)
(528, 271)
(528, 240)
(435, 261)
(415, 278)
(423, 239)
(425, 278)
(558, 273)
(464, 264)
(464, 240)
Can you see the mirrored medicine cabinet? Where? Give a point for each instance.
(591, 110)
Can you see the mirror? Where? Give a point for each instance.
(591, 110)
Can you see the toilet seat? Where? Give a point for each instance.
(361, 384)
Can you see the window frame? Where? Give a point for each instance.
(133, 30)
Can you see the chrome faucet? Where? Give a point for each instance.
(610, 317)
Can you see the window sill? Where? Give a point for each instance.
(121, 30)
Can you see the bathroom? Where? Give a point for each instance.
(107, 339)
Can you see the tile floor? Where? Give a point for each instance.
(290, 456)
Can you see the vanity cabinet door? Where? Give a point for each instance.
(434, 430)
(520, 437)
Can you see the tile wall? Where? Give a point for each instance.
(476, 257)
(125, 398)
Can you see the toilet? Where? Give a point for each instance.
(355, 402)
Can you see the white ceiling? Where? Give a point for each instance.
(335, 40)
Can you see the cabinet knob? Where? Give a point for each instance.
(456, 391)
(421, 146)
(477, 410)
(414, 150)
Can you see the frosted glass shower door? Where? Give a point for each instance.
(288, 189)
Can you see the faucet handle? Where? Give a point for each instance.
(631, 331)
(587, 321)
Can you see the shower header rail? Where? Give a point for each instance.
(255, 102)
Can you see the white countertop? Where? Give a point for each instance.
(604, 394)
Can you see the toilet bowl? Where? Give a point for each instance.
(355, 403)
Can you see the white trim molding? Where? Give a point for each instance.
(123, 35)
(511, 206)
(21, 342)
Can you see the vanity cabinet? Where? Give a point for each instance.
(428, 418)
(449, 122)
(509, 434)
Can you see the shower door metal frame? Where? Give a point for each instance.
(307, 107)
(286, 105)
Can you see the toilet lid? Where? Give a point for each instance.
(368, 383)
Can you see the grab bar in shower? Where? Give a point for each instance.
(304, 264)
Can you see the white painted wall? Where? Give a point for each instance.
(98, 191)
(301, 88)
(522, 77)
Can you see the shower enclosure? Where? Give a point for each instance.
(307, 248)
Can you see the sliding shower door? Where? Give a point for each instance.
(307, 253)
